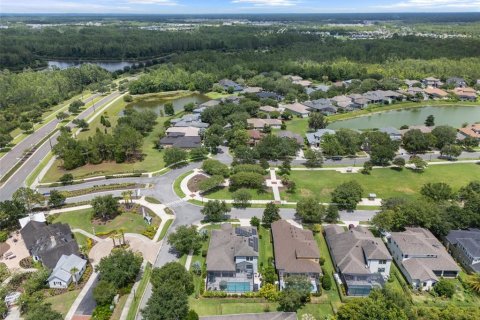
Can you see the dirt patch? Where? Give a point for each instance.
(305, 192)
(193, 183)
(405, 190)
(4, 247)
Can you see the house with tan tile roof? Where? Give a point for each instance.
(297, 109)
(296, 253)
(471, 131)
(436, 93)
(468, 94)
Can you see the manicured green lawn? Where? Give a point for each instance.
(224, 193)
(176, 184)
(214, 306)
(64, 301)
(266, 247)
(298, 125)
(384, 182)
(128, 222)
(318, 310)
(81, 239)
(332, 294)
(165, 229)
(139, 292)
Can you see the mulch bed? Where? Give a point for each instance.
(195, 181)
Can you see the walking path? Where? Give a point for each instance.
(149, 249)
(275, 185)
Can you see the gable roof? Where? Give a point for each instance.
(49, 242)
(468, 239)
(294, 249)
(65, 265)
(421, 242)
(296, 108)
(352, 249)
(229, 242)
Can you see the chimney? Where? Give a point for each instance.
(53, 241)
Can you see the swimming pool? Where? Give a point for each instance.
(238, 287)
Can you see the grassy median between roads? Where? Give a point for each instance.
(132, 312)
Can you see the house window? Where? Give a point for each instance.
(249, 266)
(382, 261)
(249, 258)
(381, 270)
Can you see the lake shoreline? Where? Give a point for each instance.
(397, 107)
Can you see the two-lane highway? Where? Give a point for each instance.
(18, 179)
(10, 159)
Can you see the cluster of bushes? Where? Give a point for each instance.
(117, 274)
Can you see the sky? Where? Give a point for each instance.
(235, 6)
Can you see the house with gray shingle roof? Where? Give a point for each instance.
(232, 259)
(324, 106)
(361, 260)
(296, 253)
(465, 247)
(227, 83)
(69, 268)
(47, 243)
(315, 138)
(422, 259)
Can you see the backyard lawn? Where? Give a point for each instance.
(63, 302)
(298, 125)
(214, 306)
(127, 221)
(384, 182)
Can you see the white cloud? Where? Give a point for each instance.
(159, 2)
(433, 4)
(268, 3)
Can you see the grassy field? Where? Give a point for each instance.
(384, 182)
(63, 302)
(81, 239)
(82, 219)
(165, 229)
(298, 125)
(224, 193)
(139, 292)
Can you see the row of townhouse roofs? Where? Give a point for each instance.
(314, 139)
(362, 261)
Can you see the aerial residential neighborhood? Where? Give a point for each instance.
(251, 159)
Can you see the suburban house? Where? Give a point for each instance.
(422, 128)
(268, 109)
(69, 268)
(291, 135)
(269, 95)
(255, 136)
(468, 94)
(210, 103)
(412, 83)
(252, 89)
(320, 87)
(472, 130)
(324, 106)
(359, 100)
(226, 84)
(436, 93)
(303, 83)
(393, 133)
(48, 243)
(256, 123)
(189, 120)
(422, 259)
(465, 247)
(415, 93)
(315, 138)
(232, 259)
(432, 82)
(297, 109)
(296, 253)
(457, 82)
(361, 260)
(182, 137)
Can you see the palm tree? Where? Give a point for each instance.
(127, 197)
(474, 283)
(73, 271)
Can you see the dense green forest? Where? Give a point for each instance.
(23, 47)
(24, 96)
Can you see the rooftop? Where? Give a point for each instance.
(295, 249)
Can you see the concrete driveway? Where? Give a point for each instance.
(136, 242)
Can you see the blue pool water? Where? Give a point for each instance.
(238, 287)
